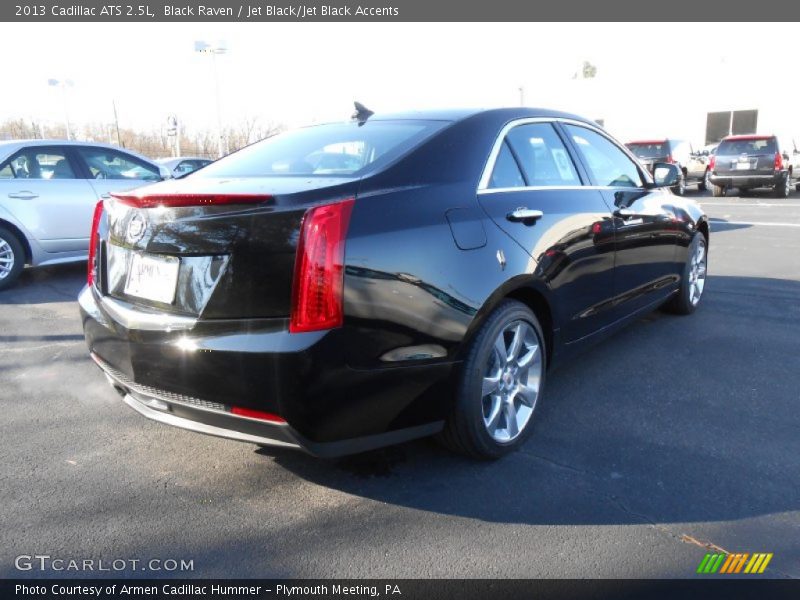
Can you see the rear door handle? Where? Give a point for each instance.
(24, 195)
(524, 214)
(105, 196)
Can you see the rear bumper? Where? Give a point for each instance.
(191, 374)
(748, 180)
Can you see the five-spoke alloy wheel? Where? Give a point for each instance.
(500, 384)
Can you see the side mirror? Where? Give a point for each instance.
(666, 175)
(164, 172)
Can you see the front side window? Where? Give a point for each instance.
(37, 163)
(338, 149)
(542, 155)
(104, 163)
(607, 163)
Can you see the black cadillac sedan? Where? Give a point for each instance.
(348, 286)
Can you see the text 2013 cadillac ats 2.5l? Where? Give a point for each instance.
(347, 286)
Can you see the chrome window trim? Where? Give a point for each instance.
(483, 184)
(530, 188)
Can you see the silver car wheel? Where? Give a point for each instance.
(6, 259)
(510, 386)
(697, 272)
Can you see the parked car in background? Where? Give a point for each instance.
(699, 166)
(352, 285)
(678, 152)
(182, 165)
(48, 190)
(747, 162)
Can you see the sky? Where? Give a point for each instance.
(299, 73)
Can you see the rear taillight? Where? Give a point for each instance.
(94, 241)
(256, 414)
(318, 288)
(181, 200)
(778, 161)
(712, 162)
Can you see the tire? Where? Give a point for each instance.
(492, 424)
(782, 189)
(705, 182)
(12, 258)
(693, 278)
(680, 189)
(744, 193)
(717, 191)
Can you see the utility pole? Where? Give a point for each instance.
(521, 96)
(116, 122)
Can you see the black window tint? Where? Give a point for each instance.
(506, 172)
(747, 146)
(649, 149)
(542, 155)
(324, 150)
(609, 165)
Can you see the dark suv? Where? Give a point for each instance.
(751, 161)
(677, 152)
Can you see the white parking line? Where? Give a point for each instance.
(759, 223)
(767, 204)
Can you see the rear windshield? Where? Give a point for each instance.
(750, 146)
(650, 149)
(340, 149)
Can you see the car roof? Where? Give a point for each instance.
(459, 114)
(661, 141)
(752, 137)
(8, 147)
(170, 159)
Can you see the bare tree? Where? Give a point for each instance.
(154, 143)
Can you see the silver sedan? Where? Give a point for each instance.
(48, 190)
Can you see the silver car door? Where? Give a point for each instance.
(43, 192)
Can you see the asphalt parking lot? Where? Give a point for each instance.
(676, 437)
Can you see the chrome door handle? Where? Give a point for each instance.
(105, 196)
(524, 214)
(24, 195)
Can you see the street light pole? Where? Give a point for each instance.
(220, 142)
(63, 85)
(220, 48)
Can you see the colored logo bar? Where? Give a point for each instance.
(732, 564)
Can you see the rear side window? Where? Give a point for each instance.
(609, 165)
(339, 149)
(38, 163)
(542, 155)
(506, 173)
(747, 146)
(649, 149)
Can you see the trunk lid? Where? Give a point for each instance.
(214, 260)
